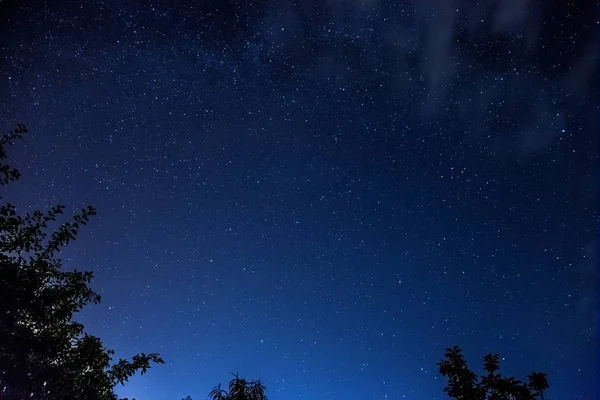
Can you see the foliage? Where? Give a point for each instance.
(464, 384)
(44, 354)
(239, 389)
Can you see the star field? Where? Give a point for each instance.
(322, 195)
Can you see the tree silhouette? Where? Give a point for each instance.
(463, 383)
(239, 389)
(44, 354)
(538, 382)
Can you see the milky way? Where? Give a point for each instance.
(323, 195)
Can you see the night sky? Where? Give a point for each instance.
(320, 194)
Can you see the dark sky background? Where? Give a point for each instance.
(320, 194)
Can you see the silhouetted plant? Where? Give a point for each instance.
(239, 389)
(538, 383)
(463, 383)
(44, 354)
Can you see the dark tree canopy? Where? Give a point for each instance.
(463, 383)
(240, 389)
(44, 353)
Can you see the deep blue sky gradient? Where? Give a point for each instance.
(323, 195)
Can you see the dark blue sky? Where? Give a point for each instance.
(323, 195)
